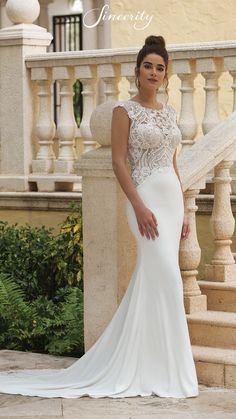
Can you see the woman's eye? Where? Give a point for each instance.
(149, 66)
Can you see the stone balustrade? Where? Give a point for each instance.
(51, 168)
(115, 68)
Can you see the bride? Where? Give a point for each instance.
(145, 349)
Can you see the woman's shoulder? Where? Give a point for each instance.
(125, 104)
(133, 109)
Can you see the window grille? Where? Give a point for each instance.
(67, 36)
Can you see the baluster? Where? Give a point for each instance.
(211, 69)
(233, 74)
(45, 127)
(190, 255)
(132, 86)
(222, 266)
(110, 74)
(230, 66)
(162, 95)
(127, 71)
(185, 70)
(66, 128)
(87, 74)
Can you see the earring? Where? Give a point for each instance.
(137, 82)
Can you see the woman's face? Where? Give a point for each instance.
(152, 72)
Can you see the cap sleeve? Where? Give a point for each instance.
(126, 106)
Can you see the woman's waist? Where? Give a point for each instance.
(139, 175)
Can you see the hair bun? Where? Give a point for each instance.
(155, 40)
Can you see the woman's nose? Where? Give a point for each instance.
(154, 71)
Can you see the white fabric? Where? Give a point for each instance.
(145, 349)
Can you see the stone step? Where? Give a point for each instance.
(215, 366)
(213, 328)
(220, 295)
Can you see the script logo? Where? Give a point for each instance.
(141, 20)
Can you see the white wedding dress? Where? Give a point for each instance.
(145, 349)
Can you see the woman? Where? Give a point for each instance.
(145, 349)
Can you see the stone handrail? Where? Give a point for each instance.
(208, 152)
(118, 55)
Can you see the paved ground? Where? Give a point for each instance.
(212, 403)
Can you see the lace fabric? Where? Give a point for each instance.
(153, 138)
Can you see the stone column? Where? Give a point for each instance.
(43, 17)
(109, 247)
(4, 20)
(230, 66)
(211, 69)
(66, 127)
(222, 267)
(87, 74)
(190, 255)
(16, 90)
(185, 69)
(89, 34)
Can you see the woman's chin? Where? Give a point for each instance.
(152, 87)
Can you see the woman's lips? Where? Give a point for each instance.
(152, 80)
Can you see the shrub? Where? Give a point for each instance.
(39, 261)
(41, 325)
(41, 287)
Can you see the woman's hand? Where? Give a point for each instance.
(147, 222)
(185, 227)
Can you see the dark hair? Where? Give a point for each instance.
(153, 45)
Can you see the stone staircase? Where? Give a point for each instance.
(210, 304)
(213, 335)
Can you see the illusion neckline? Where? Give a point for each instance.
(151, 109)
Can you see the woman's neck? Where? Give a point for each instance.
(146, 98)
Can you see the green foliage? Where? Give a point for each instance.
(70, 266)
(41, 287)
(77, 102)
(39, 261)
(26, 254)
(42, 325)
(63, 332)
(15, 314)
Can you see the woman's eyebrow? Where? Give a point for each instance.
(148, 62)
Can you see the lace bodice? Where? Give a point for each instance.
(153, 138)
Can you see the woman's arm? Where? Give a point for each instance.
(177, 173)
(146, 220)
(186, 227)
(119, 146)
